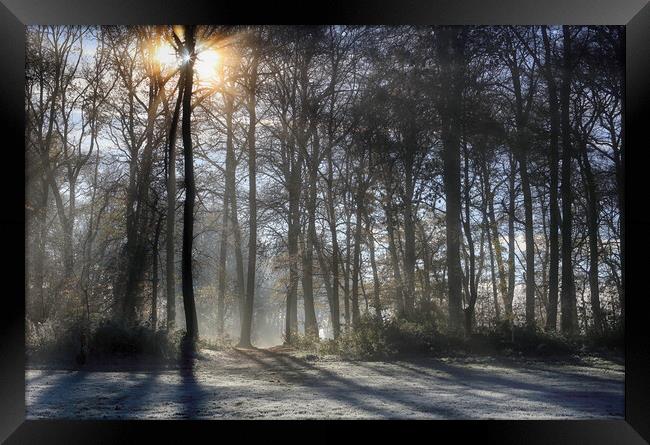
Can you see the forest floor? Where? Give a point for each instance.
(278, 383)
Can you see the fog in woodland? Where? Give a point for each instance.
(265, 184)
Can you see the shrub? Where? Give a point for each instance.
(374, 339)
(52, 340)
(529, 341)
(368, 341)
(70, 343)
(218, 344)
(548, 343)
(304, 342)
(115, 339)
(611, 339)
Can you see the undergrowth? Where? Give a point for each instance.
(72, 343)
(372, 339)
(375, 339)
(222, 343)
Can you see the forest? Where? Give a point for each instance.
(325, 185)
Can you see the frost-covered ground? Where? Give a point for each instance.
(275, 385)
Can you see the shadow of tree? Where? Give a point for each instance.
(59, 393)
(193, 396)
(418, 388)
(336, 387)
(586, 400)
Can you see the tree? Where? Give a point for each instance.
(450, 46)
(569, 320)
(170, 265)
(522, 106)
(251, 87)
(553, 277)
(189, 304)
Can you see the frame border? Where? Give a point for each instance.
(635, 14)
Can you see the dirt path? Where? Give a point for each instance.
(275, 385)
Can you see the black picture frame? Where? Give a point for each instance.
(15, 14)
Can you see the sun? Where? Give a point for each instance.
(206, 64)
(165, 55)
(205, 67)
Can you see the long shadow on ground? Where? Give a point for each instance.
(459, 379)
(338, 388)
(267, 383)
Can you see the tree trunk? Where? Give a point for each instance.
(530, 240)
(356, 261)
(553, 272)
(346, 270)
(294, 227)
(307, 277)
(247, 320)
(487, 230)
(154, 276)
(426, 271)
(291, 318)
(170, 265)
(592, 231)
(569, 320)
(409, 239)
(68, 226)
(496, 244)
(192, 330)
(620, 170)
(138, 209)
(92, 228)
(450, 51)
(231, 166)
(370, 241)
(471, 273)
(521, 155)
(327, 277)
(41, 235)
(392, 249)
(495, 296)
(493, 238)
(221, 271)
(334, 305)
(311, 324)
(511, 242)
